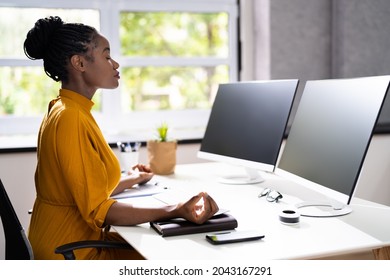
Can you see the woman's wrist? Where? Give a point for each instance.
(174, 211)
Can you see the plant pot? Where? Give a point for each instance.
(162, 156)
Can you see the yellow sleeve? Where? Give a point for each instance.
(83, 166)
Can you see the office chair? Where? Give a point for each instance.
(18, 247)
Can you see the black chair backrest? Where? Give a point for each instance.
(17, 246)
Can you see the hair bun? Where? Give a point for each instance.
(38, 38)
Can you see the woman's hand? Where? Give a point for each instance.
(141, 173)
(198, 209)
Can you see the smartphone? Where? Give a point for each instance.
(233, 236)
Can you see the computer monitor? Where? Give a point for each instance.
(329, 138)
(247, 125)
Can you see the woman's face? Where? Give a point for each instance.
(100, 69)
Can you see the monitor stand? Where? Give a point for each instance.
(323, 209)
(252, 177)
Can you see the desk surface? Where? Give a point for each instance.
(361, 230)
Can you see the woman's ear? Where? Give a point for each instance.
(77, 62)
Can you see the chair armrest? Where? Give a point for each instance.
(67, 249)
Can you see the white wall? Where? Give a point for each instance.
(374, 183)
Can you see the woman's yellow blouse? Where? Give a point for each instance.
(75, 175)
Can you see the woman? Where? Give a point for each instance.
(77, 171)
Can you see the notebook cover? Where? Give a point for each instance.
(180, 226)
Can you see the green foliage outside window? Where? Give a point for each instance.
(25, 91)
(175, 88)
(183, 35)
(174, 34)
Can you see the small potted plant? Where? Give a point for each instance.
(162, 152)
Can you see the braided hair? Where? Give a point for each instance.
(56, 42)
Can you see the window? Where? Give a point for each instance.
(172, 54)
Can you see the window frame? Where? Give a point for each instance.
(116, 126)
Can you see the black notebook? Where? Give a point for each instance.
(180, 226)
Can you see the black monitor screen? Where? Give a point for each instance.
(332, 130)
(248, 121)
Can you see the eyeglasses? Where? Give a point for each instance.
(272, 195)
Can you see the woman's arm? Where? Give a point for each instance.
(198, 209)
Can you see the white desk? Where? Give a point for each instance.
(366, 228)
